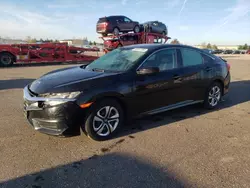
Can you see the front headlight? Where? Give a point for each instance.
(68, 95)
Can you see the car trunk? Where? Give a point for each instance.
(102, 24)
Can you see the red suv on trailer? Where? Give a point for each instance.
(116, 24)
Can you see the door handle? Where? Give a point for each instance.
(178, 78)
(208, 69)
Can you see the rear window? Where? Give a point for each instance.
(102, 20)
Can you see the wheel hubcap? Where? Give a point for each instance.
(214, 96)
(137, 29)
(106, 120)
(116, 31)
(6, 60)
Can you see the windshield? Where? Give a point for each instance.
(117, 60)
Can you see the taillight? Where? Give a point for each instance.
(228, 66)
(105, 24)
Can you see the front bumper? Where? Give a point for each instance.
(50, 116)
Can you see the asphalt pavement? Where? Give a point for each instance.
(188, 147)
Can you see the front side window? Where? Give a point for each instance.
(191, 57)
(117, 60)
(164, 60)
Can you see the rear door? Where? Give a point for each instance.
(194, 74)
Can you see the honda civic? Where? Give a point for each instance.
(133, 81)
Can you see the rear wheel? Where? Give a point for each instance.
(104, 120)
(116, 31)
(213, 96)
(6, 59)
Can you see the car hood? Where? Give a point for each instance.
(62, 78)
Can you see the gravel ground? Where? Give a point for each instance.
(189, 147)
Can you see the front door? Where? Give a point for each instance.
(155, 91)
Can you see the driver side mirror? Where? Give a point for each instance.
(148, 71)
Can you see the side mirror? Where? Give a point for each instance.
(150, 70)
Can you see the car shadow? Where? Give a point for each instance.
(239, 93)
(100, 171)
(14, 83)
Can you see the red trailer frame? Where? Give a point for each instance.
(46, 52)
(112, 42)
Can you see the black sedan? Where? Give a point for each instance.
(155, 27)
(128, 82)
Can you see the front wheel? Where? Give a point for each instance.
(213, 96)
(104, 120)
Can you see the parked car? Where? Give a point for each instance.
(155, 27)
(208, 50)
(116, 24)
(248, 52)
(227, 52)
(236, 52)
(127, 82)
(94, 48)
(217, 51)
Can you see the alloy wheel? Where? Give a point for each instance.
(214, 96)
(106, 121)
(116, 31)
(137, 29)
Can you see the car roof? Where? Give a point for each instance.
(115, 16)
(159, 46)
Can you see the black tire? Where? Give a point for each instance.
(137, 29)
(92, 118)
(116, 31)
(6, 59)
(208, 104)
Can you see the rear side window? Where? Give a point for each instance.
(191, 57)
(207, 59)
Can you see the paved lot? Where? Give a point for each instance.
(190, 147)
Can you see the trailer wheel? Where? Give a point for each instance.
(6, 59)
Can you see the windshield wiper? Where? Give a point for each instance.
(98, 70)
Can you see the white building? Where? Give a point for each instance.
(76, 42)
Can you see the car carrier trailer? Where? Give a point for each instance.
(46, 52)
(115, 41)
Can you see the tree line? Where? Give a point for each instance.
(243, 47)
(203, 45)
(34, 40)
